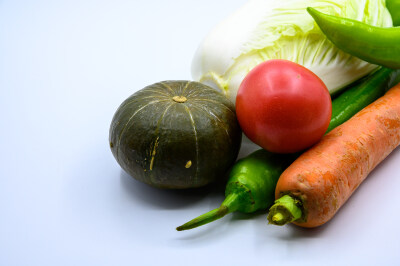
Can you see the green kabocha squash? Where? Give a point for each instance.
(176, 134)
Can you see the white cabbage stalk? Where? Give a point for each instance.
(282, 29)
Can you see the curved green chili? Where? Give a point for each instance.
(361, 94)
(373, 44)
(250, 187)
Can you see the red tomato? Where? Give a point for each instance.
(283, 107)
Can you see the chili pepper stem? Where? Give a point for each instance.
(230, 204)
(284, 211)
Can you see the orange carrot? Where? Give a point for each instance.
(321, 180)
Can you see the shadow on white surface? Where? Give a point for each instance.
(247, 147)
(296, 233)
(165, 198)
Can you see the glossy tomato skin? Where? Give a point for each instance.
(283, 107)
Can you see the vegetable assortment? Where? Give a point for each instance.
(297, 205)
(291, 74)
(263, 30)
(256, 175)
(321, 180)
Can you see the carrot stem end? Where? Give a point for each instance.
(285, 210)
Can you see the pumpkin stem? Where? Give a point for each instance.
(230, 204)
(179, 99)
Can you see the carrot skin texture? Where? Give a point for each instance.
(325, 176)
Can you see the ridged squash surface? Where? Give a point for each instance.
(176, 134)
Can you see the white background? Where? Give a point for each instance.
(65, 66)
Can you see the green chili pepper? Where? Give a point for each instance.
(373, 44)
(394, 8)
(252, 180)
(250, 187)
(361, 94)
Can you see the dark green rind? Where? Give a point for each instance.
(207, 135)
